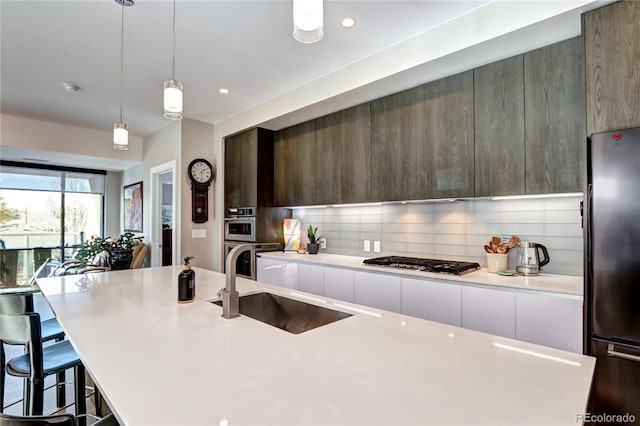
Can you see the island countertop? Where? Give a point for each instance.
(158, 362)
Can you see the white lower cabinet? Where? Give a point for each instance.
(378, 291)
(489, 311)
(311, 279)
(287, 275)
(554, 321)
(266, 270)
(338, 284)
(283, 274)
(432, 301)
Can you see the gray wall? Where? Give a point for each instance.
(454, 230)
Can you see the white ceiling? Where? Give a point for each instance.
(245, 46)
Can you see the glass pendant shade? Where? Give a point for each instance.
(120, 136)
(307, 20)
(173, 99)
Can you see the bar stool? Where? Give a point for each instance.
(39, 362)
(50, 329)
(55, 420)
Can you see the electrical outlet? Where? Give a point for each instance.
(376, 246)
(367, 245)
(198, 233)
(323, 243)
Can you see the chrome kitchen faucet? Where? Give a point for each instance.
(229, 295)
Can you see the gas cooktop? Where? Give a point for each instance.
(429, 265)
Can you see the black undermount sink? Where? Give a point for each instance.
(287, 314)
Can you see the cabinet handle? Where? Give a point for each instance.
(612, 352)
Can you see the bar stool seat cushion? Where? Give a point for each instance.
(51, 329)
(55, 357)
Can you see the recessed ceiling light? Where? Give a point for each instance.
(70, 87)
(223, 91)
(348, 22)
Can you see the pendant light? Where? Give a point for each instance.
(172, 87)
(120, 130)
(307, 20)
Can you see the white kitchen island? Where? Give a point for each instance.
(158, 362)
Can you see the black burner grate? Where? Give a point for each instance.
(428, 265)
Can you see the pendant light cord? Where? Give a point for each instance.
(121, 62)
(173, 65)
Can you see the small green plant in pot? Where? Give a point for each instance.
(313, 246)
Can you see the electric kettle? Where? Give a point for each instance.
(529, 262)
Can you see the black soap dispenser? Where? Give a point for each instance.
(186, 283)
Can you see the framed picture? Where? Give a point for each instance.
(133, 207)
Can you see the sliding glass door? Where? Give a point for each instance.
(45, 214)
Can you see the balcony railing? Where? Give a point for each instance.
(17, 265)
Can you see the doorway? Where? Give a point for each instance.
(164, 214)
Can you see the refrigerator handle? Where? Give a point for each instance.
(613, 353)
(589, 221)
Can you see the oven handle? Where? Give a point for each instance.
(613, 353)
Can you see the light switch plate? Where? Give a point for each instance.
(376, 246)
(198, 233)
(367, 245)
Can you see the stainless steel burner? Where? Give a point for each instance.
(427, 265)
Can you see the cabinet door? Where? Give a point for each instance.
(489, 311)
(378, 291)
(554, 321)
(555, 114)
(449, 145)
(295, 165)
(240, 169)
(432, 301)
(343, 142)
(311, 279)
(612, 54)
(499, 128)
(397, 136)
(287, 275)
(338, 284)
(266, 270)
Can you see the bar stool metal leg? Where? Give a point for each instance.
(80, 391)
(2, 373)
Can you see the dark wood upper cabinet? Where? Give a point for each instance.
(295, 165)
(554, 124)
(499, 128)
(448, 151)
(397, 136)
(249, 162)
(513, 127)
(343, 153)
(241, 169)
(612, 58)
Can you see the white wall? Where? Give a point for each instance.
(454, 230)
(159, 148)
(197, 142)
(112, 203)
(65, 145)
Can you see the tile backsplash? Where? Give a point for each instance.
(455, 230)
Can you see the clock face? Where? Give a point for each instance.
(200, 171)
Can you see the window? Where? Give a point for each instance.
(44, 210)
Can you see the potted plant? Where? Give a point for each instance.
(314, 238)
(121, 251)
(117, 254)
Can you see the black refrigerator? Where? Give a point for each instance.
(612, 271)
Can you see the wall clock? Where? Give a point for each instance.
(201, 173)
